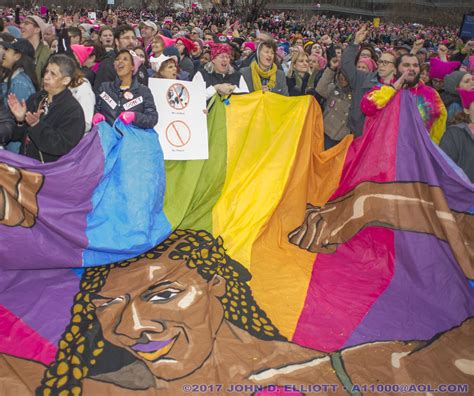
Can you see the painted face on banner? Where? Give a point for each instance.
(163, 312)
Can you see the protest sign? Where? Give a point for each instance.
(182, 124)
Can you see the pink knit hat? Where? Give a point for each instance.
(82, 52)
(250, 45)
(217, 49)
(467, 97)
(369, 62)
(137, 61)
(440, 69)
(168, 42)
(322, 62)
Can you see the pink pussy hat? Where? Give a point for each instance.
(82, 52)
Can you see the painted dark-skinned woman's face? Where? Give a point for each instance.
(163, 312)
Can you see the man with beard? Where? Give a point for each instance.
(429, 103)
(124, 38)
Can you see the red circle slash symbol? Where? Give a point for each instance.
(178, 134)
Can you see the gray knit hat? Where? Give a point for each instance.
(452, 80)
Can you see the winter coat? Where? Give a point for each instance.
(111, 101)
(187, 65)
(86, 98)
(338, 103)
(360, 83)
(21, 85)
(42, 54)
(280, 86)
(293, 89)
(458, 143)
(59, 130)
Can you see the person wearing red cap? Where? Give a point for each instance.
(185, 47)
(366, 65)
(81, 88)
(439, 69)
(219, 76)
(458, 140)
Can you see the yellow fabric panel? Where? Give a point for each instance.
(380, 97)
(314, 177)
(263, 133)
(439, 126)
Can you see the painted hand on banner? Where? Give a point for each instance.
(127, 117)
(18, 196)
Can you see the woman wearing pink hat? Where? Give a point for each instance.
(366, 65)
(81, 88)
(458, 140)
(219, 76)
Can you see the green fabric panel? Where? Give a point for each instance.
(193, 187)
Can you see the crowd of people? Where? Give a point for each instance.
(63, 72)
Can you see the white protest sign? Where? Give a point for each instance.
(182, 123)
(92, 16)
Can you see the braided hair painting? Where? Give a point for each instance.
(82, 341)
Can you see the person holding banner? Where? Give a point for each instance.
(126, 98)
(219, 76)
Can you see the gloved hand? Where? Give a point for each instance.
(127, 117)
(98, 117)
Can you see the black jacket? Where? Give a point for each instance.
(293, 90)
(111, 101)
(458, 143)
(57, 132)
(106, 72)
(6, 123)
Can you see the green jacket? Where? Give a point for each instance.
(42, 54)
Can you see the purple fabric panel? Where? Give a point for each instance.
(41, 298)
(419, 159)
(428, 294)
(64, 201)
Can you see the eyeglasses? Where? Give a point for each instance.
(385, 62)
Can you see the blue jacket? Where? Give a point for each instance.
(21, 86)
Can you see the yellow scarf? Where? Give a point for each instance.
(258, 74)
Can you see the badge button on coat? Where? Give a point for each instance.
(128, 95)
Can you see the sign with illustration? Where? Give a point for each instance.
(182, 121)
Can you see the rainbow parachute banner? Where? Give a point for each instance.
(273, 267)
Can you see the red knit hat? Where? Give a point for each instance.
(217, 49)
(82, 52)
(440, 69)
(189, 44)
(467, 97)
